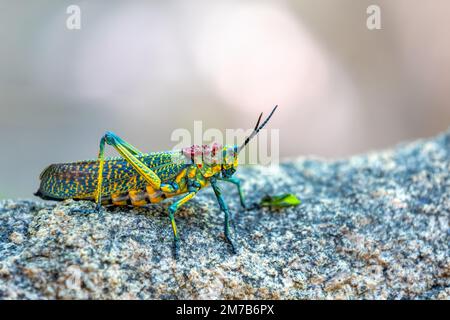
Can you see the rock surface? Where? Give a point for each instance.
(370, 227)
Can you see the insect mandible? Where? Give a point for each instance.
(137, 178)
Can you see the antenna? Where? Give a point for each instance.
(256, 130)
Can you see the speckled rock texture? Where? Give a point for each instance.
(374, 226)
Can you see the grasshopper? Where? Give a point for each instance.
(137, 178)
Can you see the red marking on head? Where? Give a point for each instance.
(187, 152)
(206, 150)
(192, 151)
(197, 150)
(215, 147)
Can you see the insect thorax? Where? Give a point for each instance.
(214, 159)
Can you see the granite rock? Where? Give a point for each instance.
(374, 226)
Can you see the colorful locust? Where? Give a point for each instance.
(138, 178)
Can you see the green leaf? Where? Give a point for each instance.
(280, 201)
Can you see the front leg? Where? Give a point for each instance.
(224, 208)
(237, 183)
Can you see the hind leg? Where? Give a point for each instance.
(129, 153)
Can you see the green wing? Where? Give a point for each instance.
(79, 179)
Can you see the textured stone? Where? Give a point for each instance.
(374, 226)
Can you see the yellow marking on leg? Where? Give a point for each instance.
(101, 158)
(185, 199)
(128, 152)
(98, 193)
(174, 228)
(176, 206)
(149, 175)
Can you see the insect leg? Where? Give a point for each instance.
(174, 185)
(172, 209)
(129, 153)
(98, 193)
(101, 160)
(224, 208)
(237, 183)
(122, 142)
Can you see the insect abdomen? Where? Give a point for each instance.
(137, 198)
(63, 181)
(78, 180)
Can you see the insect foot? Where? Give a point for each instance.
(229, 239)
(176, 248)
(232, 245)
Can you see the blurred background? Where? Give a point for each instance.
(145, 68)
